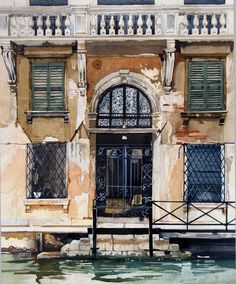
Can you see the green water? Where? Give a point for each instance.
(138, 271)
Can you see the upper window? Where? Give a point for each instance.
(48, 86)
(206, 86)
(204, 172)
(48, 2)
(125, 2)
(196, 2)
(124, 106)
(46, 170)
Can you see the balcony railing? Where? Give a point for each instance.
(114, 21)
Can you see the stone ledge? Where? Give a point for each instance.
(46, 202)
(187, 115)
(31, 114)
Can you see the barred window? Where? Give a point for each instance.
(46, 170)
(204, 172)
(204, 2)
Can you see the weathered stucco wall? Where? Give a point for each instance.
(167, 157)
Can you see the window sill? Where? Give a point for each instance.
(207, 206)
(31, 114)
(64, 202)
(187, 115)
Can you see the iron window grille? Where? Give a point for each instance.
(124, 106)
(204, 172)
(46, 170)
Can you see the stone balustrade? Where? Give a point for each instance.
(178, 21)
(40, 25)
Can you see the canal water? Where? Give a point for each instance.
(137, 271)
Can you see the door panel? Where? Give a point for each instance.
(124, 175)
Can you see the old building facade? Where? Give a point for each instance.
(114, 106)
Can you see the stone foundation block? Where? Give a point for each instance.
(83, 247)
(104, 237)
(159, 253)
(74, 245)
(161, 244)
(84, 241)
(109, 246)
(143, 245)
(48, 255)
(141, 237)
(101, 245)
(175, 254)
(123, 237)
(174, 247)
(124, 247)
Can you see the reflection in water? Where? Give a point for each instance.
(138, 271)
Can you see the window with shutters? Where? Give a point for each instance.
(48, 91)
(206, 86)
(204, 172)
(48, 86)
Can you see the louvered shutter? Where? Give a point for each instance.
(39, 86)
(214, 85)
(48, 86)
(196, 86)
(56, 86)
(206, 86)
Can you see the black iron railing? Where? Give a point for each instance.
(181, 216)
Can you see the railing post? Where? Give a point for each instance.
(94, 231)
(226, 216)
(187, 214)
(150, 230)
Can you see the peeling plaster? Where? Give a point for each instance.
(172, 102)
(72, 88)
(152, 74)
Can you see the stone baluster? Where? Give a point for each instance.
(169, 61)
(204, 30)
(40, 26)
(195, 30)
(13, 26)
(214, 30)
(103, 26)
(184, 25)
(121, 30)
(31, 31)
(94, 25)
(149, 25)
(222, 24)
(58, 31)
(67, 26)
(158, 24)
(140, 23)
(130, 25)
(22, 26)
(111, 26)
(48, 31)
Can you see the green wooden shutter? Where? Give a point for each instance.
(56, 86)
(48, 86)
(196, 86)
(206, 86)
(39, 86)
(214, 85)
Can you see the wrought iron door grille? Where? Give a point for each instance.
(204, 172)
(46, 170)
(123, 180)
(124, 106)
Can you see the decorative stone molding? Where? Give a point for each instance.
(169, 61)
(126, 77)
(31, 114)
(82, 72)
(9, 56)
(46, 202)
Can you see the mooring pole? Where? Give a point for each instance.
(150, 230)
(94, 231)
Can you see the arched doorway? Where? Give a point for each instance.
(124, 159)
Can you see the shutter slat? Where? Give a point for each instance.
(56, 98)
(39, 86)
